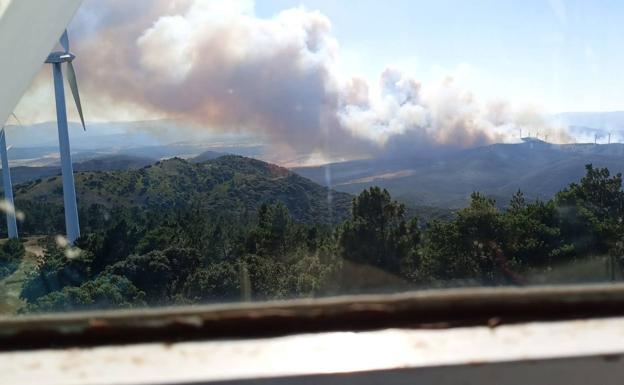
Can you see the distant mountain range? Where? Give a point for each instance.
(105, 136)
(442, 180)
(21, 174)
(431, 186)
(49, 156)
(37, 145)
(537, 168)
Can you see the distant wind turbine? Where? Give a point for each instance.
(69, 190)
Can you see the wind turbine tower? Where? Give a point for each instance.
(8, 188)
(57, 59)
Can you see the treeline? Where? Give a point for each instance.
(131, 257)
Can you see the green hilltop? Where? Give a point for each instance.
(231, 184)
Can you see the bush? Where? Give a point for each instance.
(11, 254)
(217, 283)
(105, 292)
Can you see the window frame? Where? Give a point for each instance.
(427, 309)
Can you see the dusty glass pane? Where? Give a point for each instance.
(251, 151)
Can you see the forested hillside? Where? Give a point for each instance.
(164, 250)
(229, 184)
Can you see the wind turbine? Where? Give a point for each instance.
(8, 188)
(57, 59)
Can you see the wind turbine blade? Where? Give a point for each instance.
(65, 41)
(29, 29)
(73, 84)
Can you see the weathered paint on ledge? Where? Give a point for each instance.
(570, 352)
(424, 310)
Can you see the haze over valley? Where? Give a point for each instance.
(443, 179)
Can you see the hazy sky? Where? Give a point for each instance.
(560, 55)
(340, 79)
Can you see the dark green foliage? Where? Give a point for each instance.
(591, 212)
(219, 282)
(41, 217)
(532, 233)
(230, 240)
(274, 233)
(469, 248)
(57, 272)
(100, 249)
(115, 244)
(11, 253)
(378, 233)
(485, 245)
(159, 274)
(104, 292)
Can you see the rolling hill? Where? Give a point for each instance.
(226, 184)
(537, 168)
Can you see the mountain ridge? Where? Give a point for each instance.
(537, 168)
(226, 184)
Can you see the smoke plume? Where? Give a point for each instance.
(219, 66)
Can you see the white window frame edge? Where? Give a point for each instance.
(570, 352)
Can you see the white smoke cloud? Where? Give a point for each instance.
(216, 64)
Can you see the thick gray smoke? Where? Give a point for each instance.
(217, 65)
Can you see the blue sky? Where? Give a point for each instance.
(557, 55)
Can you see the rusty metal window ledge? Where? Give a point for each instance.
(438, 336)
